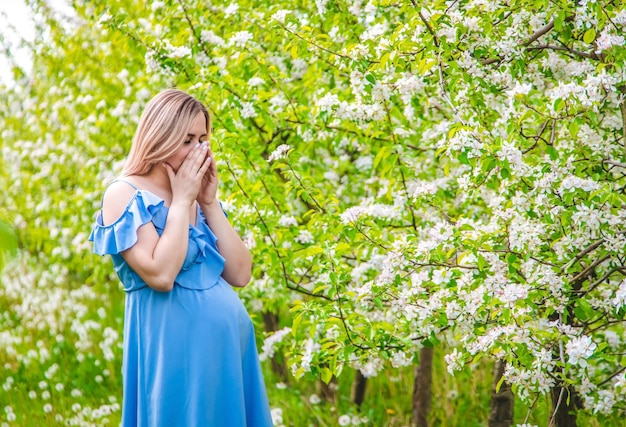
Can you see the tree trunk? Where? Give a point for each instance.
(327, 392)
(270, 320)
(563, 409)
(422, 388)
(358, 388)
(501, 412)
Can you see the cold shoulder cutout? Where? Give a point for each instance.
(203, 264)
(121, 234)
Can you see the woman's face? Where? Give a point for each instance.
(196, 134)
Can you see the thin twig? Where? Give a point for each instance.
(582, 253)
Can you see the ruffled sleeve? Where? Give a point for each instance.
(122, 234)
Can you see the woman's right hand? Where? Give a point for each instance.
(186, 182)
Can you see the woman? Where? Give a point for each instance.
(190, 357)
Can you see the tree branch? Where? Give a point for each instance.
(590, 269)
(582, 253)
(540, 32)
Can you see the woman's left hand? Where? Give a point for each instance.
(208, 187)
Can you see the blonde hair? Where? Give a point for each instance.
(162, 130)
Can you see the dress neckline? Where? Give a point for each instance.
(195, 224)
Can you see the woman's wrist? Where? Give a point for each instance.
(209, 206)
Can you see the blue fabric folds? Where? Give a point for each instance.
(122, 234)
(203, 265)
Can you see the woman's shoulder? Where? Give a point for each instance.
(117, 197)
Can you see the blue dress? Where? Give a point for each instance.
(190, 357)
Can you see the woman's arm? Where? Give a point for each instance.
(158, 260)
(238, 265)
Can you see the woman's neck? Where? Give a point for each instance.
(158, 177)
(156, 181)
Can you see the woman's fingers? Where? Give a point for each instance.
(194, 160)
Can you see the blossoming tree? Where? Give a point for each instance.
(408, 174)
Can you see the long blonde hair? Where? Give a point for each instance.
(162, 130)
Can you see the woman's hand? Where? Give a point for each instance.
(186, 182)
(208, 187)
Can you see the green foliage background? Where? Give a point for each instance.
(446, 170)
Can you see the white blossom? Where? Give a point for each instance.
(287, 221)
(255, 82)
(620, 296)
(400, 359)
(247, 110)
(328, 101)
(176, 52)
(270, 343)
(209, 37)
(606, 40)
(280, 15)
(321, 6)
(240, 38)
(304, 237)
(277, 416)
(278, 102)
(344, 420)
(279, 153)
(454, 361)
(579, 349)
(157, 5)
(310, 348)
(231, 9)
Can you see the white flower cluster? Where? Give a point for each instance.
(572, 182)
(279, 153)
(590, 91)
(400, 359)
(175, 52)
(464, 141)
(513, 155)
(579, 349)
(454, 361)
(354, 420)
(231, 9)
(321, 6)
(240, 38)
(606, 40)
(278, 103)
(270, 342)
(310, 348)
(526, 233)
(529, 381)
(328, 101)
(280, 15)
(287, 221)
(305, 237)
(209, 37)
(371, 367)
(247, 110)
(620, 295)
(374, 210)
(419, 188)
(277, 416)
(585, 18)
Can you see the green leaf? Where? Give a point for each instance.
(589, 36)
(295, 323)
(326, 375)
(499, 384)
